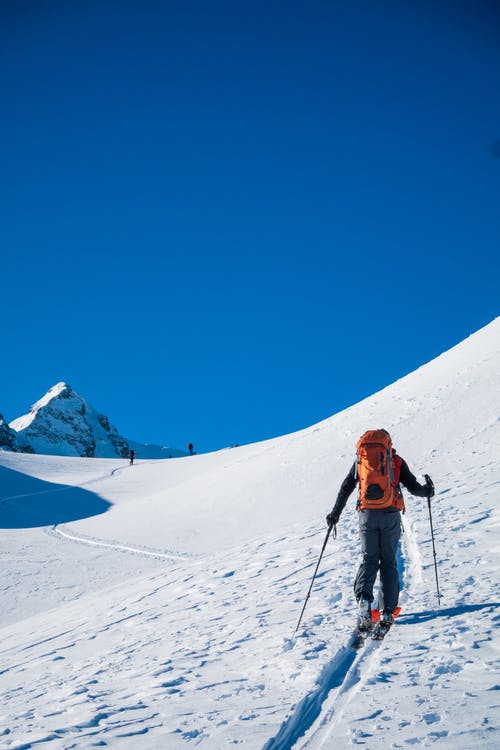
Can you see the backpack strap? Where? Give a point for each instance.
(356, 478)
(389, 464)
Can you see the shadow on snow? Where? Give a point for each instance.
(309, 708)
(414, 618)
(27, 502)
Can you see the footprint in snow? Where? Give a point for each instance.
(314, 652)
(431, 718)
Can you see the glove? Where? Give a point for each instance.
(332, 518)
(430, 486)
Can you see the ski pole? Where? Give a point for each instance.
(428, 479)
(332, 526)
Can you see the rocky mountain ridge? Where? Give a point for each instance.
(63, 423)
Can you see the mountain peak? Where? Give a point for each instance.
(59, 390)
(63, 423)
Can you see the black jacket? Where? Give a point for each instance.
(406, 478)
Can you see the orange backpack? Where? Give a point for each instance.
(374, 466)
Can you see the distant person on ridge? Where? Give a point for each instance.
(132, 456)
(379, 472)
(191, 449)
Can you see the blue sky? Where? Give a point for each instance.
(225, 221)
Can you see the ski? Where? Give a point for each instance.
(376, 631)
(359, 638)
(380, 629)
(360, 635)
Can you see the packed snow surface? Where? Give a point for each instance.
(154, 606)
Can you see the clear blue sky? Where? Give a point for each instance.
(225, 221)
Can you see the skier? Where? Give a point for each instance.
(132, 456)
(191, 449)
(379, 471)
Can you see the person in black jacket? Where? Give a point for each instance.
(379, 532)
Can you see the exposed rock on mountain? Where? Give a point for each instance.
(7, 436)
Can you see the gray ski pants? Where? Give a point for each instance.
(379, 532)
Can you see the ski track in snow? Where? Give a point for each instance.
(116, 700)
(59, 531)
(315, 716)
(170, 677)
(65, 488)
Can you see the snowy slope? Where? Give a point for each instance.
(153, 606)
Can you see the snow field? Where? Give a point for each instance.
(108, 646)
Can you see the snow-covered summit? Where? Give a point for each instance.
(63, 423)
(59, 390)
